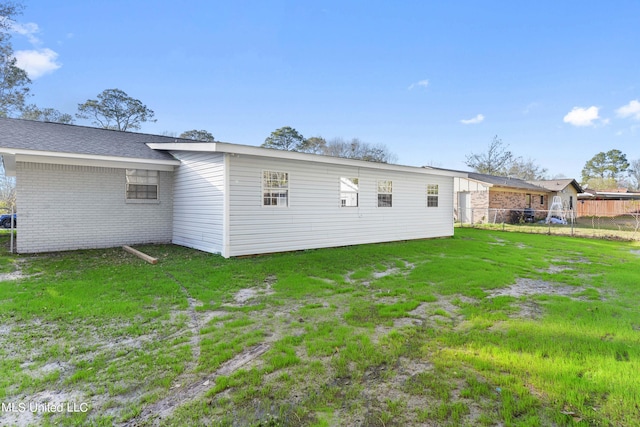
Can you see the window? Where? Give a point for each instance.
(527, 201)
(432, 195)
(385, 196)
(275, 188)
(348, 192)
(142, 184)
(542, 200)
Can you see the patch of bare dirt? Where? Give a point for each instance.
(526, 287)
(380, 274)
(553, 269)
(243, 296)
(17, 274)
(394, 270)
(576, 260)
(179, 395)
(530, 310)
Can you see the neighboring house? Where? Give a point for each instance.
(81, 187)
(488, 198)
(608, 203)
(567, 189)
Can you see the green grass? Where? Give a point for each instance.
(400, 334)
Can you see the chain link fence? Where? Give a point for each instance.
(625, 226)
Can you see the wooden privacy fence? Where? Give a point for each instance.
(607, 207)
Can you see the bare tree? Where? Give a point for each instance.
(356, 149)
(32, 112)
(495, 161)
(634, 174)
(526, 169)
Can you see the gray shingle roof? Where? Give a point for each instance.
(504, 181)
(61, 138)
(558, 184)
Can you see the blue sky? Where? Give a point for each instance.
(558, 81)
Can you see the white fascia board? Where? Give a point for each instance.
(77, 159)
(9, 163)
(238, 150)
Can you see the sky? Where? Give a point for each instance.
(434, 81)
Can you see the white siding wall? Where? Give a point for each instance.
(198, 210)
(75, 207)
(314, 217)
(566, 194)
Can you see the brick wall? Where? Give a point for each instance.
(64, 207)
(516, 200)
(479, 203)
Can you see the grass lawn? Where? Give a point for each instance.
(483, 329)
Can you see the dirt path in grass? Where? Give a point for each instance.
(178, 396)
(188, 386)
(194, 325)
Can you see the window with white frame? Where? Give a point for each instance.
(385, 194)
(348, 192)
(142, 184)
(432, 195)
(275, 188)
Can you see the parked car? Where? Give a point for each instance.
(5, 220)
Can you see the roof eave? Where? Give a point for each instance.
(13, 155)
(237, 149)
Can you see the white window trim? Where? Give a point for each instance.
(431, 195)
(275, 190)
(142, 201)
(389, 183)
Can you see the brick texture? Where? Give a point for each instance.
(64, 207)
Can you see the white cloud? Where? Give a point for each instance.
(477, 119)
(29, 30)
(38, 62)
(632, 109)
(421, 83)
(582, 116)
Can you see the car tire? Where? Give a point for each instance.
(6, 223)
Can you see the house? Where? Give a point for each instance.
(489, 198)
(567, 189)
(82, 187)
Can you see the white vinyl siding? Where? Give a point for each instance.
(314, 219)
(199, 197)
